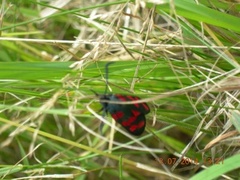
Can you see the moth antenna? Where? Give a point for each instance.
(106, 75)
(94, 92)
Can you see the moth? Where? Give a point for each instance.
(130, 116)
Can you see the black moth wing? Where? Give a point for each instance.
(130, 116)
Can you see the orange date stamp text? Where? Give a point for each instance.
(187, 161)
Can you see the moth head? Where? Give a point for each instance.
(102, 98)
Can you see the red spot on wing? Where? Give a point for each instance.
(131, 119)
(145, 106)
(135, 127)
(126, 98)
(135, 113)
(133, 98)
(139, 105)
(120, 97)
(118, 115)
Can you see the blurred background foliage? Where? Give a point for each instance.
(181, 57)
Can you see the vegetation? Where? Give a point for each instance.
(181, 57)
